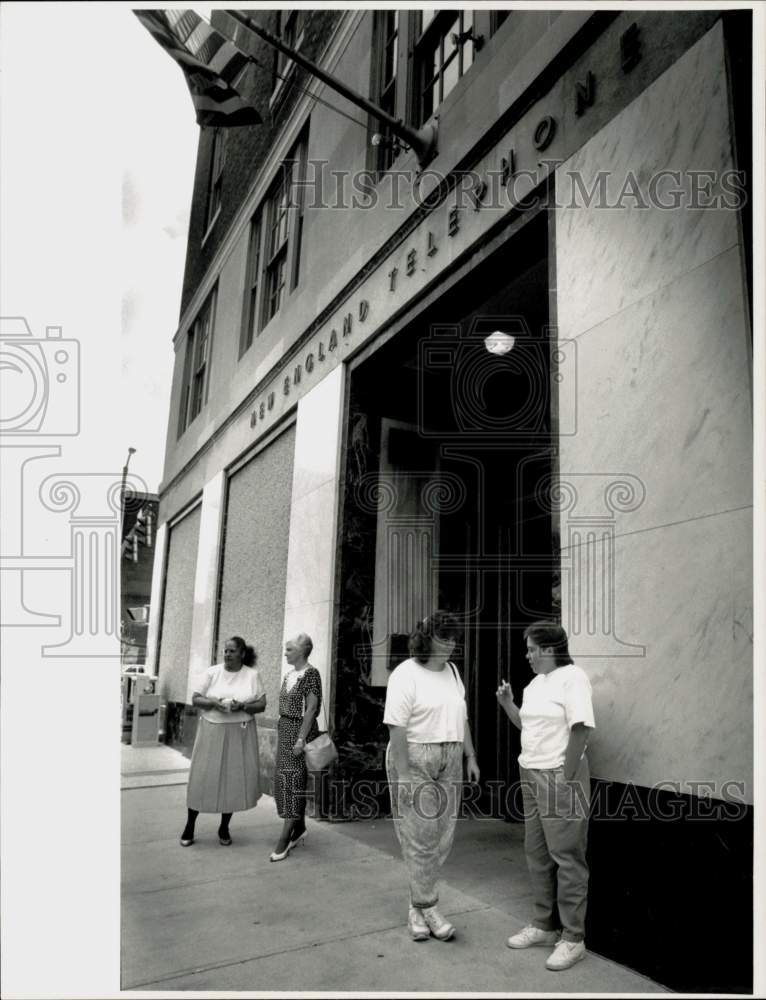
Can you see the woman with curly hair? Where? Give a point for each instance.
(224, 775)
(427, 720)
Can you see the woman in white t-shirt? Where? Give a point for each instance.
(555, 719)
(224, 775)
(428, 724)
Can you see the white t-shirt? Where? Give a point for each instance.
(552, 703)
(240, 685)
(429, 703)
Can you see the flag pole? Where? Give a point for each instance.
(422, 141)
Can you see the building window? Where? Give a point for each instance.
(299, 176)
(283, 232)
(252, 285)
(444, 50)
(274, 251)
(290, 27)
(496, 18)
(278, 215)
(385, 71)
(197, 364)
(215, 180)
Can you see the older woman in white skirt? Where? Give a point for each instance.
(224, 774)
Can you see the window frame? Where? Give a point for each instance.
(291, 29)
(410, 37)
(215, 179)
(275, 245)
(251, 325)
(195, 386)
(387, 92)
(431, 38)
(277, 241)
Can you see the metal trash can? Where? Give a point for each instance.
(140, 711)
(146, 721)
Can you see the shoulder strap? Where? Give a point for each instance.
(322, 705)
(455, 673)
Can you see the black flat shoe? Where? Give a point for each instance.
(224, 838)
(186, 841)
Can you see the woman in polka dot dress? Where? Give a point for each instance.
(300, 698)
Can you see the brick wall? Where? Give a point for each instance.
(248, 146)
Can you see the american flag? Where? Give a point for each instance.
(210, 64)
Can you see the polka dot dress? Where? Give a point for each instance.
(291, 776)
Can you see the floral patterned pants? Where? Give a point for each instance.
(425, 824)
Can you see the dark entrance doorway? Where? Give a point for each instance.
(449, 461)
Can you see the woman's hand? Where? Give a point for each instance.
(472, 768)
(298, 747)
(504, 694)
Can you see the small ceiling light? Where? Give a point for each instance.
(499, 342)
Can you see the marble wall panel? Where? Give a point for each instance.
(310, 586)
(310, 573)
(679, 123)
(681, 712)
(660, 603)
(317, 439)
(202, 639)
(662, 396)
(155, 615)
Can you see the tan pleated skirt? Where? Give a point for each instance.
(224, 772)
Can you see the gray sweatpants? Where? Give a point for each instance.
(555, 841)
(425, 827)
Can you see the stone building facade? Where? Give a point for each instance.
(344, 453)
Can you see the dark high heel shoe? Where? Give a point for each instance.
(223, 837)
(187, 839)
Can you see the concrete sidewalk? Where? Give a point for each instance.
(332, 917)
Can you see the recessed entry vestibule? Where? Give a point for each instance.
(450, 458)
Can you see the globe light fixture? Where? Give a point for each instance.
(499, 342)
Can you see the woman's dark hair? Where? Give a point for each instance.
(249, 655)
(439, 625)
(549, 634)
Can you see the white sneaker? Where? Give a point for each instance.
(533, 937)
(565, 955)
(439, 927)
(418, 928)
